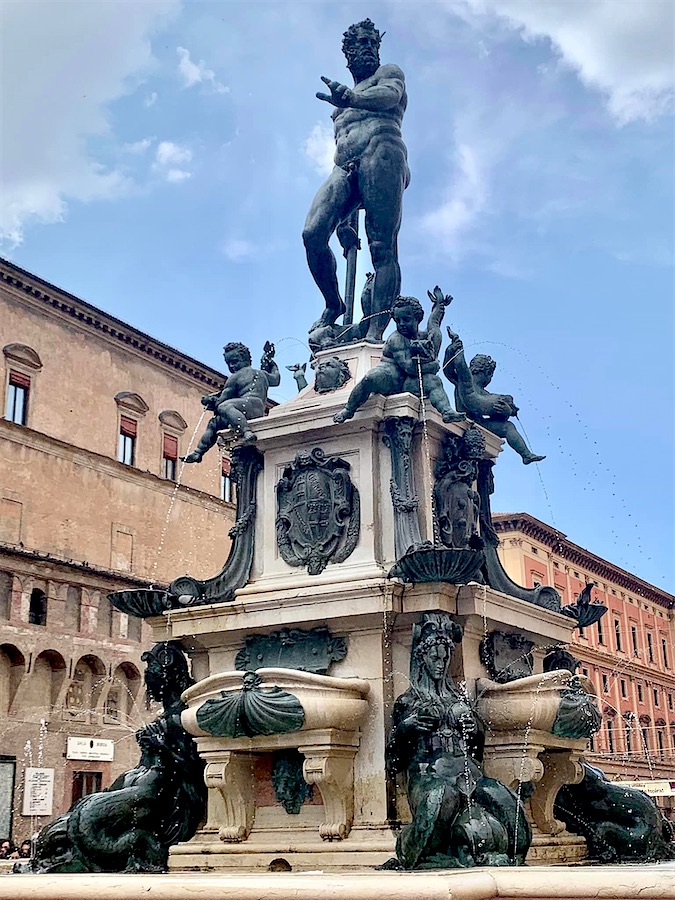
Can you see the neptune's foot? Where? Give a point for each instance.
(532, 458)
(329, 316)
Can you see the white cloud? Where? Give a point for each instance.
(237, 250)
(319, 148)
(137, 148)
(462, 204)
(88, 55)
(194, 73)
(168, 154)
(169, 157)
(175, 176)
(150, 100)
(622, 48)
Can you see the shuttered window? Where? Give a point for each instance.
(169, 457)
(16, 407)
(126, 447)
(128, 427)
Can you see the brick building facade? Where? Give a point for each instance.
(629, 654)
(96, 415)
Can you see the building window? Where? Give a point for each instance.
(605, 683)
(650, 646)
(126, 448)
(645, 739)
(37, 610)
(656, 696)
(664, 648)
(610, 735)
(601, 633)
(624, 691)
(639, 693)
(85, 783)
(617, 633)
(16, 408)
(628, 730)
(226, 483)
(634, 638)
(659, 738)
(670, 701)
(584, 672)
(170, 457)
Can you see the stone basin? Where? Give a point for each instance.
(327, 702)
(532, 702)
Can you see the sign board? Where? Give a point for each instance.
(654, 787)
(90, 748)
(38, 792)
(7, 770)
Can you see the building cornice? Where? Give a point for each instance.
(82, 566)
(558, 543)
(56, 299)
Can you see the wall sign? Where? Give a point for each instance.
(38, 792)
(654, 787)
(90, 748)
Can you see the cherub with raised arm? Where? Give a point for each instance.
(492, 411)
(243, 397)
(409, 359)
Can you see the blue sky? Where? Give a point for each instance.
(159, 158)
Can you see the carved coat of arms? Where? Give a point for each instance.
(318, 511)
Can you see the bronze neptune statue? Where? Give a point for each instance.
(371, 173)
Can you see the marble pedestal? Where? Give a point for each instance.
(356, 601)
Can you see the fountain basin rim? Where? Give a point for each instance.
(547, 681)
(286, 679)
(325, 701)
(627, 882)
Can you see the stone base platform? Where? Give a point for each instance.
(361, 852)
(646, 882)
(364, 849)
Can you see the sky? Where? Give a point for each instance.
(159, 158)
